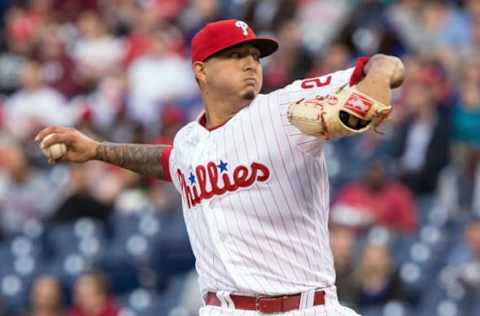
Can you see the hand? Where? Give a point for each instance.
(389, 66)
(80, 148)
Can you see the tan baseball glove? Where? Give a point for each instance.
(344, 113)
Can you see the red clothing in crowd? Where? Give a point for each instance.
(392, 206)
(137, 45)
(110, 309)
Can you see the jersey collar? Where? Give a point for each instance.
(202, 120)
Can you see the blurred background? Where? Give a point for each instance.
(95, 240)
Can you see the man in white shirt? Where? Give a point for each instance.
(35, 104)
(254, 188)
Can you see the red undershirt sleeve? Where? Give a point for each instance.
(358, 72)
(165, 161)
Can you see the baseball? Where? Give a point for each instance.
(55, 151)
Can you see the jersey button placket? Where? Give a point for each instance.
(219, 236)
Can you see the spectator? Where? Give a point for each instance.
(369, 31)
(104, 107)
(403, 15)
(10, 63)
(466, 115)
(265, 16)
(434, 27)
(119, 69)
(81, 200)
(197, 14)
(421, 141)
(3, 7)
(337, 56)
(36, 105)
(190, 298)
(164, 199)
(465, 259)
(97, 53)
(322, 21)
(474, 44)
(168, 9)
(471, 271)
(473, 8)
(291, 62)
(124, 16)
(443, 26)
(173, 118)
(147, 97)
(92, 297)
(459, 183)
(41, 12)
(343, 241)
(468, 71)
(46, 298)
(26, 193)
(138, 42)
(22, 30)
(71, 10)
(58, 69)
(12, 56)
(376, 201)
(377, 281)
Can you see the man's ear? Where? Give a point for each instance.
(199, 70)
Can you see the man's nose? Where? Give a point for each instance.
(250, 63)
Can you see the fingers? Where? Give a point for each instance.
(57, 138)
(47, 131)
(80, 148)
(352, 121)
(52, 161)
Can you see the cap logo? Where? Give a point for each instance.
(243, 26)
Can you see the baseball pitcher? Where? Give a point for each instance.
(252, 173)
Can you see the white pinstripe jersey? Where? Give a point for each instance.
(256, 197)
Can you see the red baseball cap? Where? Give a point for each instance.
(217, 36)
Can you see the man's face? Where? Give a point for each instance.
(473, 237)
(88, 294)
(236, 71)
(46, 293)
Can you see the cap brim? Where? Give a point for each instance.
(266, 46)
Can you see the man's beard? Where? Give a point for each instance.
(249, 95)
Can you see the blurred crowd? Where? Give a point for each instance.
(96, 240)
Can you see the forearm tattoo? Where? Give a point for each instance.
(144, 159)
